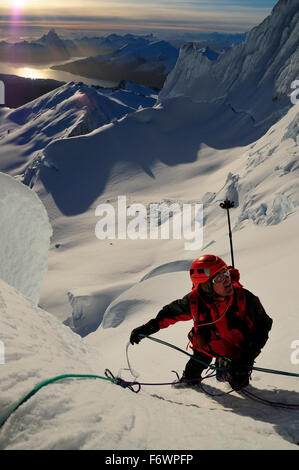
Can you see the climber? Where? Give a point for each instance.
(229, 323)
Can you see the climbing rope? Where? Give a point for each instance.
(276, 404)
(48, 382)
(238, 389)
(260, 369)
(135, 386)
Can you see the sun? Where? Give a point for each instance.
(18, 5)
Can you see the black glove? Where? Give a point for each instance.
(147, 329)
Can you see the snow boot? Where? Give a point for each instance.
(186, 383)
(240, 378)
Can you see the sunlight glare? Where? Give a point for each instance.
(18, 5)
(28, 72)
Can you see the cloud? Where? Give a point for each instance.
(213, 15)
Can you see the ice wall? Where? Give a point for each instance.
(25, 233)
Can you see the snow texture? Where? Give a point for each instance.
(93, 414)
(71, 110)
(24, 237)
(194, 146)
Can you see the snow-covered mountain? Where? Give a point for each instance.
(70, 110)
(146, 167)
(113, 42)
(254, 77)
(90, 46)
(157, 54)
(55, 45)
(50, 47)
(216, 41)
(142, 155)
(209, 53)
(145, 62)
(190, 147)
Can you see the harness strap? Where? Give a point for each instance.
(223, 340)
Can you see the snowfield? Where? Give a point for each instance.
(75, 317)
(80, 414)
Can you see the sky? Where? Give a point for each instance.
(231, 16)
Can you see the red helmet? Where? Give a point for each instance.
(204, 267)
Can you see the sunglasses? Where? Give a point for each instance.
(221, 277)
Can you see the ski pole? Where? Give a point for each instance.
(227, 204)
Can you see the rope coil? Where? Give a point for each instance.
(130, 385)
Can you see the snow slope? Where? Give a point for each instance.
(185, 149)
(174, 157)
(80, 414)
(70, 110)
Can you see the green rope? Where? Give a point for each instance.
(47, 382)
(115, 380)
(260, 369)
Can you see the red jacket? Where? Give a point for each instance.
(234, 328)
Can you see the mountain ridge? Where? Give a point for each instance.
(252, 76)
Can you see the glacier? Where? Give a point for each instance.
(222, 128)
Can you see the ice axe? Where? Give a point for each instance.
(227, 204)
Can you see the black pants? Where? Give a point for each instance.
(240, 373)
(194, 368)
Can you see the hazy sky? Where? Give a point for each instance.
(147, 15)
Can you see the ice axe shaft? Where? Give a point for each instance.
(227, 204)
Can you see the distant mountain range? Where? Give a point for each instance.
(50, 47)
(147, 63)
(142, 59)
(216, 41)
